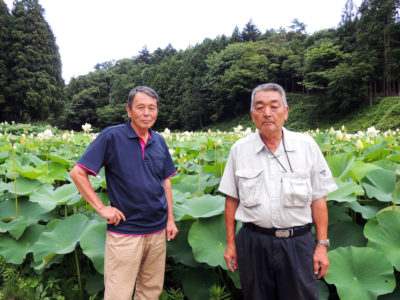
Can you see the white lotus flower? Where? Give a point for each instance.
(359, 145)
(87, 127)
(372, 132)
(47, 134)
(339, 135)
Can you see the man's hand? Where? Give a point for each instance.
(112, 214)
(321, 261)
(172, 230)
(231, 257)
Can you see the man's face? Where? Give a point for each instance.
(144, 111)
(269, 112)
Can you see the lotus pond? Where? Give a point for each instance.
(52, 242)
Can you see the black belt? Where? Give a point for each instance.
(280, 232)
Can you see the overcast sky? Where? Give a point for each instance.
(94, 31)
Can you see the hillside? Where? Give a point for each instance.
(304, 114)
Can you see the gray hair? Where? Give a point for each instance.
(268, 87)
(142, 89)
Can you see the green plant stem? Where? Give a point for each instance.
(78, 273)
(15, 183)
(395, 194)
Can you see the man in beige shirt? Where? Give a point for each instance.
(275, 182)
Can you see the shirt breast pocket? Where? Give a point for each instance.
(296, 188)
(250, 184)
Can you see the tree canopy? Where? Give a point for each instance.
(344, 67)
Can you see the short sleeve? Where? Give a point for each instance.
(322, 180)
(227, 185)
(94, 156)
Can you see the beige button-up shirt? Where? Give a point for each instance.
(270, 196)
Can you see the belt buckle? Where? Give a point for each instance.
(284, 233)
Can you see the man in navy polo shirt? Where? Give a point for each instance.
(138, 166)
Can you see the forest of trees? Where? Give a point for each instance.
(345, 67)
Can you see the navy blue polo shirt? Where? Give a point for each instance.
(134, 183)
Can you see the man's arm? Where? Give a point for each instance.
(230, 256)
(80, 176)
(172, 230)
(320, 217)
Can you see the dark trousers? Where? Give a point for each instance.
(276, 268)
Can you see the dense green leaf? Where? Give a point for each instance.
(360, 168)
(22, 186)
(200, 207)
(380, 184)
(15, 251)
(383, 234)
(367, 211)
(179, 248)
(93, 242)
(340, 164)
(360, 273)
(346, 192)
(344, 234)
(49, 198)
(196, 281)
(209, 248)
(62, 238)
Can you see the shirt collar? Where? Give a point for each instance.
(132, 133)
(286, 136)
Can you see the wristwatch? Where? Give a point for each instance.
(324, 242)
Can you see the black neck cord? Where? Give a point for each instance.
(287, 156)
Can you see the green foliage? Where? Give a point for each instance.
(57, 241)
(33, 66)
(219, 293)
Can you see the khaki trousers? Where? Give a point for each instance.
(134, 259)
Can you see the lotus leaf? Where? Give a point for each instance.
(31, 158)
(360, 273)
(395, 156)
(93, 242)
(383, 234)
(52, 171)
(340, 164)
(395, 295)
(25, 186)
(235, 278)
(391, 208)
(94, 284)
(3, 186)
(28, 213)
(323, 291)
(360, 168)
(367, 211)
(345, 192)
(200, 207)
(14, 251)
(59, 158)
(179, 248)
(63, 237)
(24, 170)
(380, 184)
(386, 164)
(207, 238)
(337, 212)
(343, 234)
(4, 156)
(217, 168)
(376, 152)
(16, 227)
(192, 184)
(196, 281)
(49, 198)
